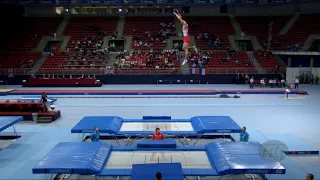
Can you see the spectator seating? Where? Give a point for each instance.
(301, 30)
(18, 59)
(259, 26)
(217, 65)
(86, 36)
(138, 26)
(53, 63)
(267, 60)
(33, 30)
(76, 27)
(217, 27)
(148, 62)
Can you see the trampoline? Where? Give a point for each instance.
(117, 126)
(101, 159)
(7, 121)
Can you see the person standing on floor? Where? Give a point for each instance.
(251, 82)
(296, 83)
(312, 79)
(44, 100)
(95, 137)
(157, 135)
(244, 136)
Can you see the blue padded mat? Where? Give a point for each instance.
(74, 158)
(169, 171)
(106, 124)
(7, 121)
(156, 117)
(240, 158)
(166, 143)
(214, 124)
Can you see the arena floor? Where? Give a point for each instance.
(270, 114)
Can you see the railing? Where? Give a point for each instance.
(102, 71)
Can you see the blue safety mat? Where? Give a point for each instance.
(166, 143)
(241, 158)
(7, 121)
(74, 158)
(214, 124)
(106, 124)
(169, 171)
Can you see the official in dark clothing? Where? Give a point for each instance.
(44, 100)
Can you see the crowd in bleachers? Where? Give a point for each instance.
(156, 40)
(148, 59)
(149, 39)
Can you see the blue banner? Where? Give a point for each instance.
(100, 2)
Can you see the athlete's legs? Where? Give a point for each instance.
(185, 48)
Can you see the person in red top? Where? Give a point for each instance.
(186, 37)
(157, 135)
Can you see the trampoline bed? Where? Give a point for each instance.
(100, 159)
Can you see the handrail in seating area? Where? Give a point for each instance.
(103, 71)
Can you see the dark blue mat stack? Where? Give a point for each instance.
(167, 143)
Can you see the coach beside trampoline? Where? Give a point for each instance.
(157, 135)
(95, 137)
(244, 136)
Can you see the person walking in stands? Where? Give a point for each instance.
(244, 136)
(44, 100)
(158, 176)
(296, 83)
(157, 135)
(309, 176)
(251, 82)
(95, 135)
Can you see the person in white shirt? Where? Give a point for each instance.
(283, 83)
(271, 83)
(251, 83)
(263, 84)
(274, 83)
(296, 83)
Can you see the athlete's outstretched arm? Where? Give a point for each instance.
(180, 18)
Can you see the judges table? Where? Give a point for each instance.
(62, 81)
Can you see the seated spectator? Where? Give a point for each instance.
(33, 76)
(157, 135)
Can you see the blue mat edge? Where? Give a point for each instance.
(18, 119)
(155, 93)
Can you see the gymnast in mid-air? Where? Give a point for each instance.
(186, 37)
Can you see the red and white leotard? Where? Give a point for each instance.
(185, 31)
